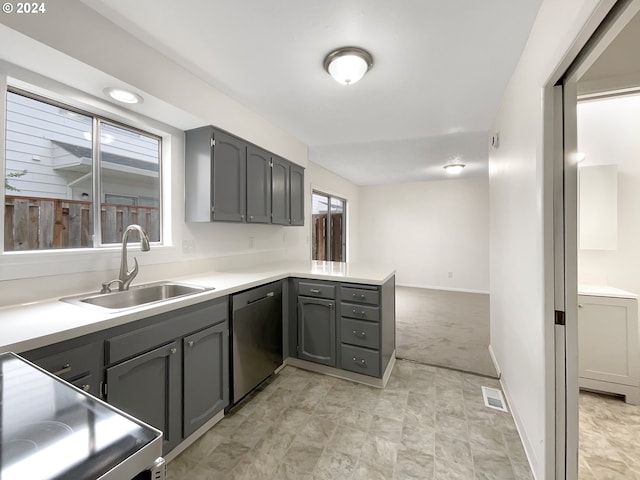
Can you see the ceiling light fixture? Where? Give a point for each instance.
(122, 95)
(454, 168)
(347, 65)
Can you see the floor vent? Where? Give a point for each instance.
(493, 399)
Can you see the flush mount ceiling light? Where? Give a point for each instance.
(454, 168)
(347, 65)
(121, 95)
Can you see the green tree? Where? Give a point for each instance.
(7, 185)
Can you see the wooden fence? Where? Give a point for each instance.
(32, 223)
(319, 248)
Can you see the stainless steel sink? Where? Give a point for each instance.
(136, 296)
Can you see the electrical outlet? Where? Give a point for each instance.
(188, 246)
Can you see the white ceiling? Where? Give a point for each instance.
(440, 69)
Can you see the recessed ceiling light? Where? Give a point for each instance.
(347, 65)
(122, 95)
(454, 168)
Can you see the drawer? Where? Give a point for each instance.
(317, 290)
(166, 328)
(70, 363)
(360, 360)
(361, 312)
(357, 332)
(360, 295)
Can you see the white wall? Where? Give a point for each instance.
(74, 65)
(427, 230)
(521, 246)
(608, 135)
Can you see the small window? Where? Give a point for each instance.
(54, 166)
(329, 227)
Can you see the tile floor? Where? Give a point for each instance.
(609, 438)
(428, 423)
(444, 328)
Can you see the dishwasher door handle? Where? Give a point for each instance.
(268, 295)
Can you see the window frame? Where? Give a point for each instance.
(97, 120)
(330, 196)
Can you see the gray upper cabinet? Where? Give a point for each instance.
(205, 375)
(280, 191)
(258, 185)
(297, 195)
(148, 387)
(231, 180)
(215, 176)
(229, 177)
(317, 330)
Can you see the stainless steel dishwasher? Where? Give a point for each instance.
(256, 337)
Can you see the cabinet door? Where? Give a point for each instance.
(149, 388)
(317, 330)
(258, 185)
(229, 178)
(608, 339)
(297, 195)
(280, 191)
(206, 375)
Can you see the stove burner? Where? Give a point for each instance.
(33, 436)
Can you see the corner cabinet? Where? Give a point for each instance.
(344, 325)
(608, 345)
(228, 179)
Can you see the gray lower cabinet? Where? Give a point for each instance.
(78, 361)
(206, 384)
(148, 387)
(345, 325)
(317, 330)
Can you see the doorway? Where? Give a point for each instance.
(597, 348)
(328, 225)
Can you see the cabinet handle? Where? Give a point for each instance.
(86, 387)
(66, 368)
(331, 305)
(361, 334)
(359, 362)
(250, 217)
(358, 313)
(173, 350)
(579, 305)
(242, 216)
(190, 343)
(315, 290)
(362, 295)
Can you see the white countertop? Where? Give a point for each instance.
(27, 326)
(604, 291)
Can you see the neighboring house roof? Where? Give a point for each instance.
(84, 152)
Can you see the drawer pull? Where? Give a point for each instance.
(86, 387)
(315, 290)
(579, 305)
(66, 368)
(190, 343)
(360, 335)
(359, 362)
(173, 350)
(362, 295)
(363, 313)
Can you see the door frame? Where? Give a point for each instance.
(560, 131)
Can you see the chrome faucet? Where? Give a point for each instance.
(126, 276)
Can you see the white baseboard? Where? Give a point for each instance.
(526, 444)
(451, 289)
